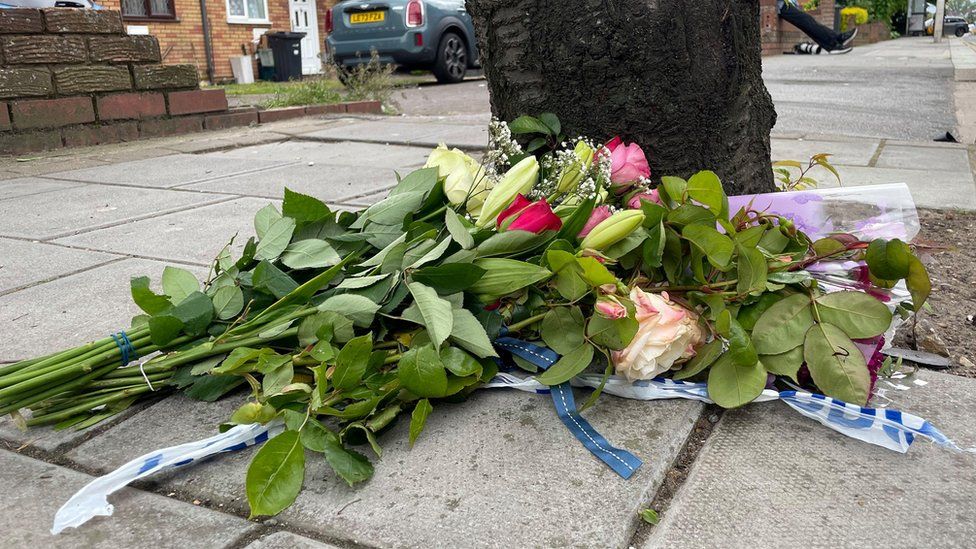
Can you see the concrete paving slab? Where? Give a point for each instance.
(768, 477)
(74, 309)
(498, 470)
(23, 186)
(329, 183)
(23, 263)
(856, 153)
(405, 132)
(287, 540)
(69, 211)
(948, 159)
(344, 153)
(166, 171)
(52, 441)
(196, 235)
(35, 491)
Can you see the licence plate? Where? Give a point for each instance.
(367, 17)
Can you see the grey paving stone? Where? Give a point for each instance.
(166, 171)
(768, 477)
(287, 540)
(346, 153)
(195, 235)
(405, 131)
(498, 470)
(74, 309)
(68, 211)
(35, 491)
(330, 183)
(946, 159)
(23, 263)
(50, 440)
(855, 153)
(22, 186)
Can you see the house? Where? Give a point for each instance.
(232, 26)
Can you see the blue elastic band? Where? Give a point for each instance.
(125, 346)
(621, 461)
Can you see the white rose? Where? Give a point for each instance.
(667, 333)
(463, 177)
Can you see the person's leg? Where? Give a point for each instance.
(825, 37)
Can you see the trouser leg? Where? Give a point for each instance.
(820, 34)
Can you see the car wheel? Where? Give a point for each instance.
(960, 32)
(452, 59)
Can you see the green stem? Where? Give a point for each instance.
(693, 288)
(85, 406)
(527, 322)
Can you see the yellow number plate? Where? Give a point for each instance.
(367, 17)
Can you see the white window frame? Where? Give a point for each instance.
(247, 20)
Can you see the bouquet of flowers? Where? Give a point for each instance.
(550, 255)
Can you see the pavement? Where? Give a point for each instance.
(498, 470)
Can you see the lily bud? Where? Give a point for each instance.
(519, 179)
(613, 229)
(573, 174)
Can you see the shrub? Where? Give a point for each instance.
(859, 16)
(311, 91)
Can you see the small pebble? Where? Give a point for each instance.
(171, 494)
(713, 418)
(196, 502)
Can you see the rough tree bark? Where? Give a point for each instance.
(683, 78)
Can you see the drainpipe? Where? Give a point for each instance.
(207, 47)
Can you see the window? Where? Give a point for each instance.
(149, 9)
(247, 11)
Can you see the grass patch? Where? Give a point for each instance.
(310, 91)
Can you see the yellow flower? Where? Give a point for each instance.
(464, 181)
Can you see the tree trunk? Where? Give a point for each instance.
(682, 78)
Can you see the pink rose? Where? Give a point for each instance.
(525, 215)
(610, 308)
(666, 334)
(628, 163)
(599, 214)
(651, 196)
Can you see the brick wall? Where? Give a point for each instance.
(181, 41)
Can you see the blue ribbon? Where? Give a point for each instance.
(621, 461)
(125, 346)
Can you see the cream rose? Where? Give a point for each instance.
(667, 333)
(464, 180)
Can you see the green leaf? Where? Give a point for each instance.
(653, 250)
(276, 380)
(418, 418)
(783, 326)
(504, 276)
(459, 363)
(351, 362)
(393, 209)
(731, 386)
(211, 388)
(275, 475)
(310, 254)
(741, 349)
(357, 308)
(691, 214)
(595, 273)
(418, 257)
(705, 357)
(577, 220)
(228, 301)
(276, 239)
(858, 314)
(422, 180)
(827, 246)
(918, 282)
(562, 329)
(752, 271)
(551, 121)
(528, 124)
(450, 278)
(179, 283)
(315, 436)
(715, 245)
(654, 214)
(568, 366)
(147, 300)
(458, 231)
(163, 329)
(422, 373)
(273, 280)
(471, 335)
(512, 243)
(836, 364)
(436, 312)
(888, 259)
(263, 220)
(303, 208)
(675, 187)
(706, 188)
(649, 516)
(351, 466)
(195, 312)
(784, 364)
(613, 334)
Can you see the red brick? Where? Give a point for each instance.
(61, 20)
(52, 113)
(4, 117)
(130, 105)
(196, 101)
(231, 120)
(369, 107)
(122, 49)
(336, 108)
(274, 115)
(91, 134)
(170, 126)
(24, 142)
(17, 21)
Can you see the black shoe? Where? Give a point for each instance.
(847, 38)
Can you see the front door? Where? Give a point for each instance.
(303, 19)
